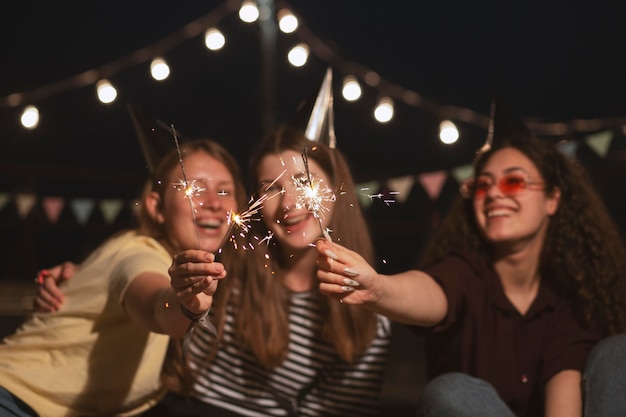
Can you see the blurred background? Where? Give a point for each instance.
(71, 166)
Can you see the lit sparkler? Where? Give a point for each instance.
(189, 188)
(312, 193)
(241, 221)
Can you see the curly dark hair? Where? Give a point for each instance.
(583, 257)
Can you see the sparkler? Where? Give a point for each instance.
(242, 220)
(190, 189)
(312, 193)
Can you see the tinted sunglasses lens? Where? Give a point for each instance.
(513, 184)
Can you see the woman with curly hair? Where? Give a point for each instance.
(524, 278)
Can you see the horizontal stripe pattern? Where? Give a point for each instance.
(312, 381)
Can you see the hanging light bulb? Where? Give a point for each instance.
(351, 90)
(448, 133)
(287, 22)
(248, 12)
(30, 117)
(214, 39)
(159, 69)
(384, 110)
(298, 55)
(106, 92)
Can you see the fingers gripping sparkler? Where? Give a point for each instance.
(191, 189)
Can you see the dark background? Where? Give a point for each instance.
(558, 64)
(555, 62)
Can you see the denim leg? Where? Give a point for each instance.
(460, 395)
(604, 380)
(11, 406)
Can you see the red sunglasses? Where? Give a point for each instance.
(510, 185)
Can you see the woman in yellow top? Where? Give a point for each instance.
(71, 362)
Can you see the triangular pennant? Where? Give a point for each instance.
(24, 203)
(4, 199)
(433, 182)
(82, 208)
(365, 191)
(52, 207)
(401, 187)
(568, 148)
(600, 142)
(463, 172)
(110, 208)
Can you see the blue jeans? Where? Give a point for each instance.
(11, 406)
(604, 380)
(603, 386)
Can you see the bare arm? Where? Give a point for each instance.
(563, 395)
(155, 301)
(410, 297)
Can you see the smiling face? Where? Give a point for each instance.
(291, 214)
(512, 221)
(213, 197)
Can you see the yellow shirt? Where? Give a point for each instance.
(90, 358)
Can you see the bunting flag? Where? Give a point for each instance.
(52, 207)
(4, 199)
(82, 209)
(366, 190)
(390, 190)
(463, 172)
(568, 148)
(600, 142)
(24, 203)
(110, 208)
(401, 187)
(433, 182)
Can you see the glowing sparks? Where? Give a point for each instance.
(388, 198)
(240, 222)
(312, 194)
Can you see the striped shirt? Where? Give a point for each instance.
(312, 381)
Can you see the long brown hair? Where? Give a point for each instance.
(583, 256)
(176, 375)
(263, 302)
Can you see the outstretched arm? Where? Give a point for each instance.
(411, 297)
(158, 302)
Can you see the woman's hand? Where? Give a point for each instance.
(49, 297)
(344, 275)
(194, 276)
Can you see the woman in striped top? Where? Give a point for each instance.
(282, 349)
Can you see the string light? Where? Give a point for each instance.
(106, 92)
(30, 117)
(448, 132)
(384, 110)
(298, 55)
(351, 90)
(287, 22)
(214, 39)
(159, 69)
(248, 12)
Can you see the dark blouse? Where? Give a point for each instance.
(485, 336)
